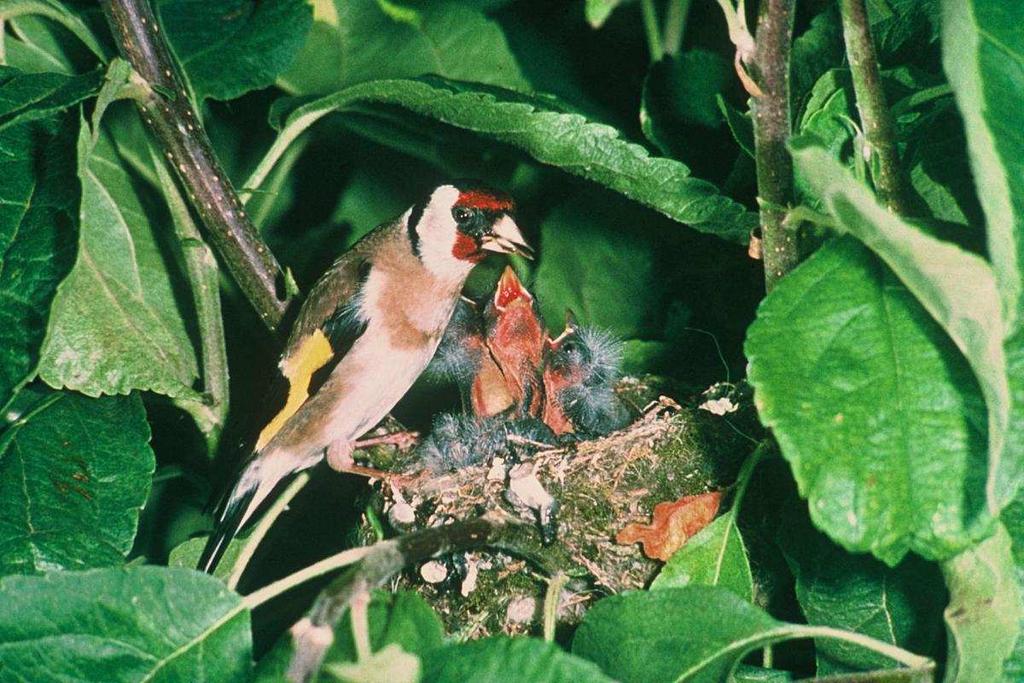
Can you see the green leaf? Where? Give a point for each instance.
(714, 556)
(983, 55)
(696, 633)
(625, 295)
(230, 47)
(930, 137)
(131, 624)
(391, 663)
(830, 112)
(74, 472)
(900, 605)
(740, 125)
(186, 555)
(353, 41)
(28, 97)
(984, 613)
(493, 660)
(564, 140)
(903, 22)
(754, 674)
(874, 408)
(815, 51)
(1014, 451)
(116, 325)
(34, 45)
(59, 12)
(38, 215)
(956, 287)
(658, 635)
(1013, 521)
(939, 170)
(404, 618)
(681, 91)
(401, 618)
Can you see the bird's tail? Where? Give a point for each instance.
(237, 506)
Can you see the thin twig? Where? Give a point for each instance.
(898, 654)
(675, 25)
(361, 625)
(552, 597)
(772, 129)
(746, 473)
(167, 110)
(204, 278)
(324, 566)
(875, 117)
(264, 526)
(261, 201)
(650, 16)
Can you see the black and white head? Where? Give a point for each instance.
(459, 224)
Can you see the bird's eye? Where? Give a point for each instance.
(461, 214)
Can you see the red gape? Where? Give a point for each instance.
(555, 380)
(515, 342)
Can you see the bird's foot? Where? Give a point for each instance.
(402, 440)
(339, 456)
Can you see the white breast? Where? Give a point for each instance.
(385, 372)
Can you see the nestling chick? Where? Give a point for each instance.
(461, 349)
(514, 336)
(458, 441)
(581, 367)
(368, 328)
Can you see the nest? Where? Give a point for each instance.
(598, 487)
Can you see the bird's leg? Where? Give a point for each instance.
(339, 455)
(403, 440)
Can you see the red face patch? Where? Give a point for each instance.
(479, 199)
(466, 249)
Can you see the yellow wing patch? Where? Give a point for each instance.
(298, 368)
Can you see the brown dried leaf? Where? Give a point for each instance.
(672, 524)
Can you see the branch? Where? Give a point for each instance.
(314, 634)
(875, 117)
(168, 112)
(772, 129)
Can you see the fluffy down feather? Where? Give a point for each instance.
(458, 355)
(458, 441)
(591, 361)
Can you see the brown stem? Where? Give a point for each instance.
(875, 116)
(772, 130)
(167, 111)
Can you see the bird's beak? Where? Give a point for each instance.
(505, 238)
(509, 289)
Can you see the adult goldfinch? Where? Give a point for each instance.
(368, 328)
